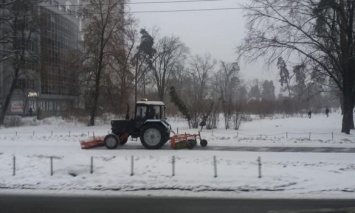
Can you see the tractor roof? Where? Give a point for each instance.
(156, 103)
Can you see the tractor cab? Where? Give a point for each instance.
(149, 110)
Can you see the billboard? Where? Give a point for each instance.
(17, 106)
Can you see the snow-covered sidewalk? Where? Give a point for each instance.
(293, 174)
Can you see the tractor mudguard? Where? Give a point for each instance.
(165, 124)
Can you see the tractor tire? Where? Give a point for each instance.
(203, 143)
(152, 136)
(111, 141)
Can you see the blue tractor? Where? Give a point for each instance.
(149, 124)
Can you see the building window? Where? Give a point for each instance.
(58, 106)
(21, 84)
(50, 105)
(31, 84)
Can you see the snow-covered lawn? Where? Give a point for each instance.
(283, 174)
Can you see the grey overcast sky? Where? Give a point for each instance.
(214, 32)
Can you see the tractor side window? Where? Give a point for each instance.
(154, 112)
(141, 112)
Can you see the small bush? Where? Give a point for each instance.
(12, 121)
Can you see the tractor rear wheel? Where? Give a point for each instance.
(152, 136)
(111, 141)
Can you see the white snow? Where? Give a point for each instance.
(284, 174)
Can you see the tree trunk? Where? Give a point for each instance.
(94, 108)
(352, 119)
(161, 94)
(348, 121)
(8, 98)
(341, 99)
(136, 83)
(97, 90)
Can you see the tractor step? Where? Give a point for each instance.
(134, 139)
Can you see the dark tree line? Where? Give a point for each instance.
(316, 36)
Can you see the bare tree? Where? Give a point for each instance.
(200, 70)
(19, 42)
(103, 18)
(318, 34)
(227, 83)
(171, 54)
(120, 78)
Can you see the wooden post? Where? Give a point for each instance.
(132, 165)
(173, 165)
(92, 165)
(286, 135)
(14, 165)
(215, 166)
(16, 133)
(259, 164)
(93, 134)
(51, 165)
(177, 130)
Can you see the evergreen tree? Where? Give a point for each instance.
(174, 97)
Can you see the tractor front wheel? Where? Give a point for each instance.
(152, 136)
(111, 141)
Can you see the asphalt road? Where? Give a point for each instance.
(280, 149)
(255, 149)
(88, 204)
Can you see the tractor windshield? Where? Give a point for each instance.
(144, 112)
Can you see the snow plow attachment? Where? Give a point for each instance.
(92, 142)
(189, 141)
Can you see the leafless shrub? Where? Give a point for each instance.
(12, 121)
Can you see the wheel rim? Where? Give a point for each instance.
(152, 136)
(111, 141)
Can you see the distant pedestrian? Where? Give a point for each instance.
(30, 111)
(327, 112)
(309, 113)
